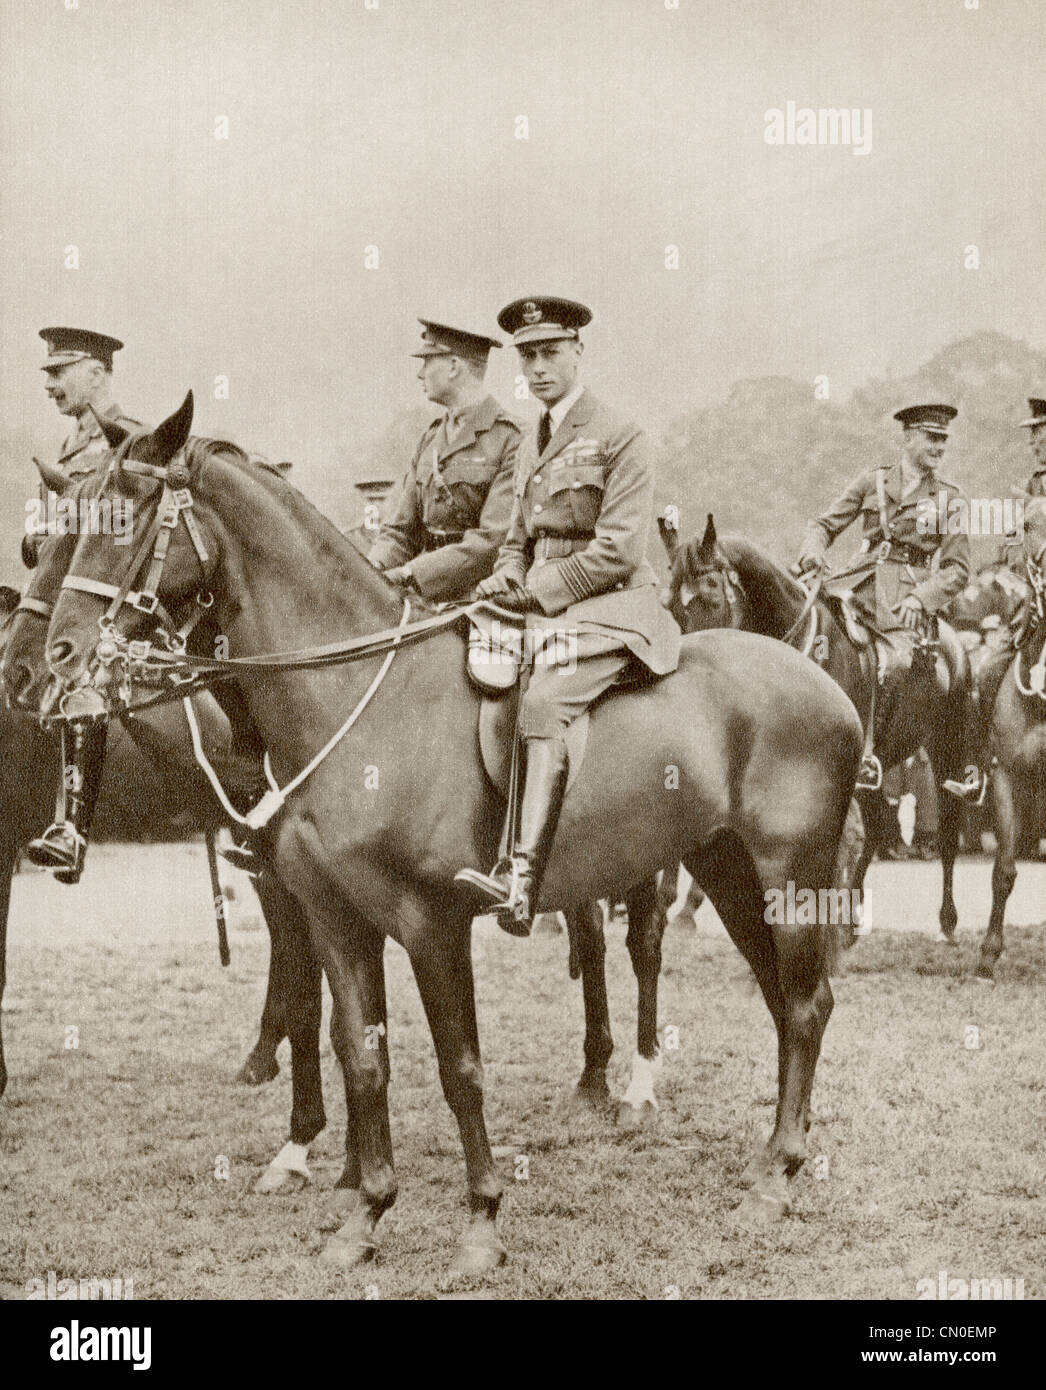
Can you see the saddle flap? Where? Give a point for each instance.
(495, 652)
(497, 727)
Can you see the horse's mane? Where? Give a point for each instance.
(199, 450)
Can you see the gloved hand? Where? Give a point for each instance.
(494, 586)
(911, 611)
(506, 592)
(401, 576)
(810, 564)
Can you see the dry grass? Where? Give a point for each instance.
(933, 1149)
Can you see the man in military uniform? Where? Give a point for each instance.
(1036, 486)
(79, 369)
(453, 509)
(907, 570)
(374, 491)
(574, 556)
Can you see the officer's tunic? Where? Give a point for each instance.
(909, 559)
(577, 542)
(454, 505)
(87, 446)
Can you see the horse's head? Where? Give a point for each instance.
(119, 582)
(704, 590)
(47, 552)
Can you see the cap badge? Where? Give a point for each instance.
(531, 313)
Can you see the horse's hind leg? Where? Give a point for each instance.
(947, 750)
(735, 893)
(442, 962)
(1004, 870)
(586, 929)
(646, 926)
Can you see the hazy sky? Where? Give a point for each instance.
(395, 127)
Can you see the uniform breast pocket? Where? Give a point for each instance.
(580, 487)
(468, 481)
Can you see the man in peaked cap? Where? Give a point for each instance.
(373, 491)
(1037, 425)
(574, 556)
(906, 572)
(453, 508)
(79, 370)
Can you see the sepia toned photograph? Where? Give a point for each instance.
(523, 663)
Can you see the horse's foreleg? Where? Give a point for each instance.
(586, 929)
(646, 925)
(261, 1064)
(353, 957)
(1004, 870)
(442, 964)
(949, 827)
(8, 854)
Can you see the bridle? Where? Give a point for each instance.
(1034, 684)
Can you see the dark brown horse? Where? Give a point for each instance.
(741, 765)
(293, 990)
(30, 771)
(1017, 740)
(730, 582)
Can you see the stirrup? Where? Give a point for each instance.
(974, 784)
(494, 884)
(61, 848)
(870, 774)
(242, 857)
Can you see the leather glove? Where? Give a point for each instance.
(401, 575)
(911, 611)
(494, 586)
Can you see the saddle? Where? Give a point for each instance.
(494, 663)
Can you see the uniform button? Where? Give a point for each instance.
(537, 477)
(537, 506)
(619, 586)
(575, 484)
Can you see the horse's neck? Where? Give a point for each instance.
(289, 578)
(773, 604)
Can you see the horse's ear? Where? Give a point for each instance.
(669, 533)
(708, 540)
(168, 438)
(114, 432)
(54, 479)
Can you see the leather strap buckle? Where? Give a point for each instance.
(883, 553)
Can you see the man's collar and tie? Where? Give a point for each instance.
(552, 418)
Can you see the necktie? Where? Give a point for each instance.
(544, 432)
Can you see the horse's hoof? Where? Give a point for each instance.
(280, 1180)
(765, 1205)
(341, 1203)
(347, 1253)
(591, 1099)
(255, 1072)
(479, 1252)
(756, 1169)
(684, 921)
(632, 1118)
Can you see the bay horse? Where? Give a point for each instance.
(729, 581)
(1017, 739)
(741, 764)
(294, 983)
(161, 737)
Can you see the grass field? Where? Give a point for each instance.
(927, 1152)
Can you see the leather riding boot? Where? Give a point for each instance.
(515, 883)
(543, 791)
(63, 845)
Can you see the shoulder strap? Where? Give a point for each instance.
(880, 492)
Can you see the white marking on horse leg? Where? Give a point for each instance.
(641, 1086)
(293, 1158)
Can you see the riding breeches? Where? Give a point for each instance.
(569, 674)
